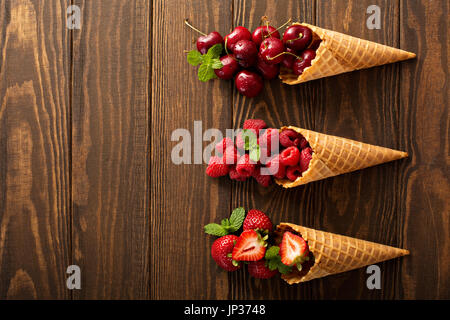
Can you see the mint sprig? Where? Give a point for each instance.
(227, 226)
(251, 144)
(208, 62)
(273, 260)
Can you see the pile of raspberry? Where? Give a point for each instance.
(289, 162)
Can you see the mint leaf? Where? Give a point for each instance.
(194, 57)
(272, 252)
(284, 269)
(216, 63)
(254, 153)
(215, 51)
(206, 72)
(237, 218)
(215, 229)
(250, 139)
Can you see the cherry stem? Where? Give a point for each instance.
(285, 52)
(284, 24)
(300, 36)
(190, 26)
(226, 49)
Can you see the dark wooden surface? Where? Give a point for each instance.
(86, 177)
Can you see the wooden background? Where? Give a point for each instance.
(86, 178)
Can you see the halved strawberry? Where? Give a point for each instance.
(293, 250)
(249, 247)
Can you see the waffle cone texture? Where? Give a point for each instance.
(339, 53)
(335, 253)
(333, 156)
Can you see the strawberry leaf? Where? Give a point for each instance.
(215, 229)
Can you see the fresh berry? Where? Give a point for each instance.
(297, 37)
(221, 252)
(259, 270)
(230, 67)
(305, 158)
(245, 166)
(288, 59)
(275, 168)
(271, 50)
(216, 167)
(206, 42)
(293, 250)
(224, 144)
(304, 62)
(292, 173)
(290, 138)
(230, 155)
(315, 45)
(249, 247)
(269, 139)
(268, 71)
(303, 143)
(239, 33)
(243, 136)
(263, 32)
(248, 83)
(245, 50)
(234, 175)
(290, 156)
(264, 155)
(257, 220)
(256, 124)
(263, 179)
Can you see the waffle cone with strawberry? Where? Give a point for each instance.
(334, 253)
(339, 53)
(333, 156)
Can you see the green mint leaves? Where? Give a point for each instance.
(251, 144)
(208, 62)
(273, 260)
(227, 226)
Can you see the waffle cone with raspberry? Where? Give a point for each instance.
(335, 253)
(333, 156)
(339, 53)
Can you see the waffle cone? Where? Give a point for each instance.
(335, 253)
(339, 53)
(333, 156)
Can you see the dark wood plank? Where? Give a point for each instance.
(34, 150)
(183, 198)
(425, 202)
(110, 149)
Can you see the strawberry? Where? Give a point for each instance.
(293, 250)
(250, 246)
(221, 252)
(257, 220)
(258, 269)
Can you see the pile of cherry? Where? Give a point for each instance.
(250, 57)
(235, 159)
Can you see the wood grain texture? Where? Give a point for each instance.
(34, 150)
(183, 198)
(110, 115)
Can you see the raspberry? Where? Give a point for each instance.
(305, 158)
(290, 156)
(303, 143)
(255, 124)
(264, 155)
(270, 140)
(240, 142)
(224, 144)
(245, 166)
(290, 138)
(276, 168)
(216, 168)
(234, 175)
(264, 180)
(292, 173)
(230, 155)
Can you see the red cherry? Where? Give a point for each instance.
(230, 67)
(246, 53)
(268, 71)
(271, 50)
(206, 42)
(263, 32)
(248, 83)
(301, 64)
(297, 37)
(288, 59)
(239, 33)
